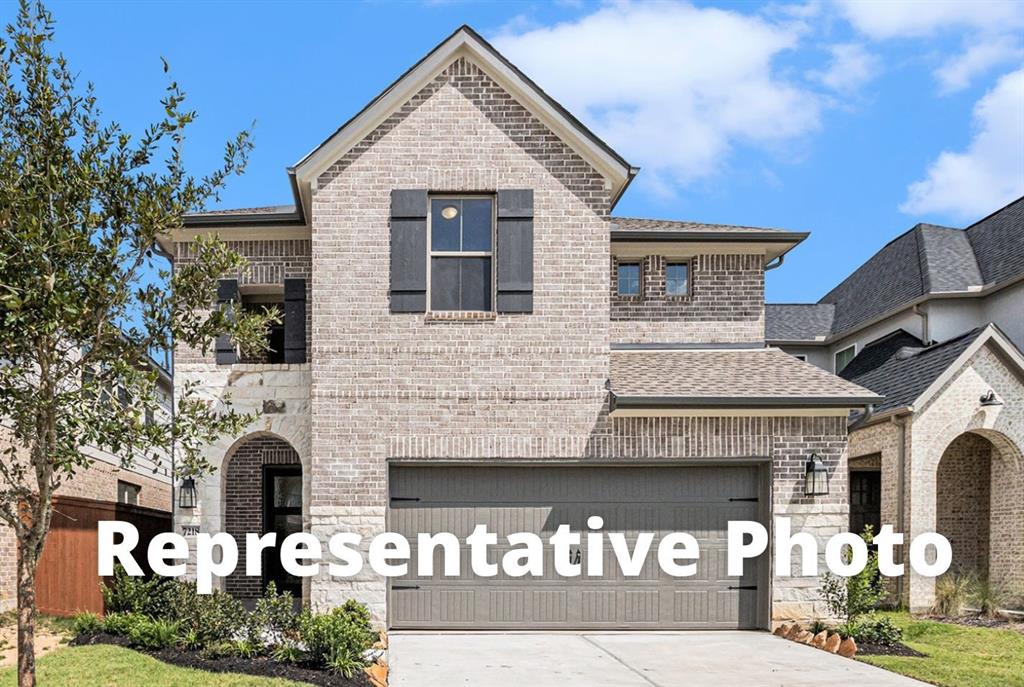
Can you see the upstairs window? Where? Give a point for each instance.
(461, 253)
(257, 303)
(128, 493)
(677, 279)
(629, 278)
(843, 357)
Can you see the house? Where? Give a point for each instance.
(104, 490)
(470, 336)
(934, 322)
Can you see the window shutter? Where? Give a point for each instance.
(408, 250)
(227, 298)
(515, 251)
(295, 320)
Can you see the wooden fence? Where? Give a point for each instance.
(67, 580)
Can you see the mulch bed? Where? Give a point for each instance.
(980, 621)
(260, 667)
(887, 650)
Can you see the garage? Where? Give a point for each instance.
(698, 499)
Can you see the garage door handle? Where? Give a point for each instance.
(751, 498)
(405, 498)
(745, 587)
(399, 587)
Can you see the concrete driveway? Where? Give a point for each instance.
(650, 659)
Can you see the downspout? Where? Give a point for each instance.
(923, 314)
(901, 463)
(861, 419)
(772, 264)
(158, 249)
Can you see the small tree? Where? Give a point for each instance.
(851, 597)
(82, 206)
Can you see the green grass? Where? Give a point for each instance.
(112, 666)
(957, 656)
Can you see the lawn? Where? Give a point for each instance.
(957, 656)
(111, 666)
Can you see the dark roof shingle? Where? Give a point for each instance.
(998, 242)
(798, 321)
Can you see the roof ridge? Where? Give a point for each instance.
(994, 213)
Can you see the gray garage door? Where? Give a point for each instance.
(698, 500)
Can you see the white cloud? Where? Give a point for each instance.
(990, 172)
(958, 71)
(914, 18)
(672, 87)
(851, 67)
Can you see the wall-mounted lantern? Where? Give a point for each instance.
(815, 477)
(990, 399)
(187, 493)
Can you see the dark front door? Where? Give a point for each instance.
(865, 500)
(282, 513)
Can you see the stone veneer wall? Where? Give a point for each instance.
(243, 500)
(725, 303)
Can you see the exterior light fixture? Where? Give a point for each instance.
(990, 399)
(187, 493)
(815, 477)
(449, 212)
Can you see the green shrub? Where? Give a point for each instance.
(274, 620)
(122, 623)
(86, 623)
(346, 664)
(990, 598)
(878, 631)
(189, 640)
(849, 598)
(248, 649)
(153, 634)
(126, 594)
(951, 594)
(287, 653)
(339, 638)
(219, 650)
(211, 618)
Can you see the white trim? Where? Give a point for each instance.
(733, 412)
(990, 334)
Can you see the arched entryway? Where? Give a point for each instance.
(262, 493)
(979, 492)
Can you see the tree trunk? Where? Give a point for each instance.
(26, 618)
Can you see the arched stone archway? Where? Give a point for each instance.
(262, 493)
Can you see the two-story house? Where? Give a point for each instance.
(470, 336)
(934, 322)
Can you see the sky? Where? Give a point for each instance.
(851, 120)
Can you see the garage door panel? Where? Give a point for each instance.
(630, 500)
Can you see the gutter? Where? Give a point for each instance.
(642, 236)
(297, 217)
(744, 402)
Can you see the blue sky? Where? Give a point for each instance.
(852, 121)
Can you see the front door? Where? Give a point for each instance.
(865, 500)
(282, 513)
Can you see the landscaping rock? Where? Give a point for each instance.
(782, 630)
(805, 637)
(848, 648)
(832, 643)
(378, 674)
(818, 641)
(794, 631)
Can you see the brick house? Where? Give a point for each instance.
(471, 336)
(934, 322)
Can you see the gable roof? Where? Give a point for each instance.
(928, 260)
(641, 229)
(811, 322)
(906, 372)
(464, 41)
(727, 378)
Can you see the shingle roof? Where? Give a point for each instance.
(998, 242)
(754, 377)
(639, 224)
(900, 367)
(798, 321)
(265, 210)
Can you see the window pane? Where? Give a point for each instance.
(444, 284)
(675, 278)
(629, 279)
(843, 358)
(476, 224)
(445, 223)
(288, 491)
(476, 283)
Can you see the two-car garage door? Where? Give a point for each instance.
(699, 500)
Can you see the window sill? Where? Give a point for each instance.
(443, 316)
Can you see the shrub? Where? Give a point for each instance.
(153, 634)
(247, 649)
(346, 664)
(851, 597)
(219, 650)
(990, 598)
(878, 631)
(339, 638)
(287, 653)
(122, 623)
(951, 593)
(274, 620)
(126, 594)
(189, 640)
(211, 618)
(86, 623)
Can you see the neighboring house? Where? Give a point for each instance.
(934, 322)
(146, 483)
(471, 337)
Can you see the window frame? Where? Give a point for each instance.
(431, 253)
(835, 357)
(689, 276)
(640, 278)
(802, 357)
(136, 488)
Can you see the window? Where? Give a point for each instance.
(677, 281)
(461, 241)
(844, 357)
(800, 356)
(257, 303)
(629, 279)
(128, 493)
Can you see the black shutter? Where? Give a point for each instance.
(408, 251)
(515, 251)
(295, 320)
(227, 300)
